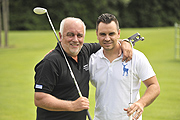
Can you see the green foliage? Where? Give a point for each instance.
(170, 11)
(143, 12)
(130, 13)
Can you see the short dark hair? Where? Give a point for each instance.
(107, 18)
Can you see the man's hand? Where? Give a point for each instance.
(127, 51)
(80, 104)
(136, 107)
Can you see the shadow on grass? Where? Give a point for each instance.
(7, 47)
(174, 60)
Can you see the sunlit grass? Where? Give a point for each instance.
(27, 48)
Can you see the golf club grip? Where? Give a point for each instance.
(130, 117)
(89, 117)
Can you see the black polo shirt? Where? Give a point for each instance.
(53, 77)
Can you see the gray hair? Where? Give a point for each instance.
(63, 21)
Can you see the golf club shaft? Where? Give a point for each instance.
(52, 26)
(71, 72)
(65, 56)
(131, 84)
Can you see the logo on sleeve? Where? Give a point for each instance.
(38, 86)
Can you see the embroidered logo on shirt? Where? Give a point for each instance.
(86, 67)
(38, 86)
(125, 70)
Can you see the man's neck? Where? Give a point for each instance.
(75, 58)
(112, 54)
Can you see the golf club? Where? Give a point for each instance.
(133, 39)
(39, 10)
(131, 84)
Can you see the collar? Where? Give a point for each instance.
(101, 54)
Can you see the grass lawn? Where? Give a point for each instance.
(26, 48)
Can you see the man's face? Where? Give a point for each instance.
(73, 37)
(107, 35)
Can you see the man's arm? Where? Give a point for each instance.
(125, 48)
(151, 93)
(51, 103)
(127, 51)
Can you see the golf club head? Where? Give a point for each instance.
(142, 38)
(39, 10)
(135, 38)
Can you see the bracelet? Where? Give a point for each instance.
(127, 40)
(119, 43)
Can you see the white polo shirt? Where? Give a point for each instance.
(112, 82)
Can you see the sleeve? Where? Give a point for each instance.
(92, 69)
(145, 70)
(45, 76)
(92, 47)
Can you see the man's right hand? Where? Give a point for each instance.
(80, 104)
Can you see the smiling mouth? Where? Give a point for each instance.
(74, 45)
(107, 43)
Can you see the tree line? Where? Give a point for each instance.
(130, 13)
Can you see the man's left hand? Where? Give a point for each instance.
(136, 107)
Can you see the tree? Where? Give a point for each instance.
(5, 4)
(0, 24)
(130, 13)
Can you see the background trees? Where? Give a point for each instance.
(130, 13)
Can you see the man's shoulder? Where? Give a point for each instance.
(137, 52)
(98, 54)
(89, 48)
(53, 56)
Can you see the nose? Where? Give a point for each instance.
(107, 37)
(75, 38)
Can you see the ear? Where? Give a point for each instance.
(119, 33)
(60, 36)
(97, 34)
